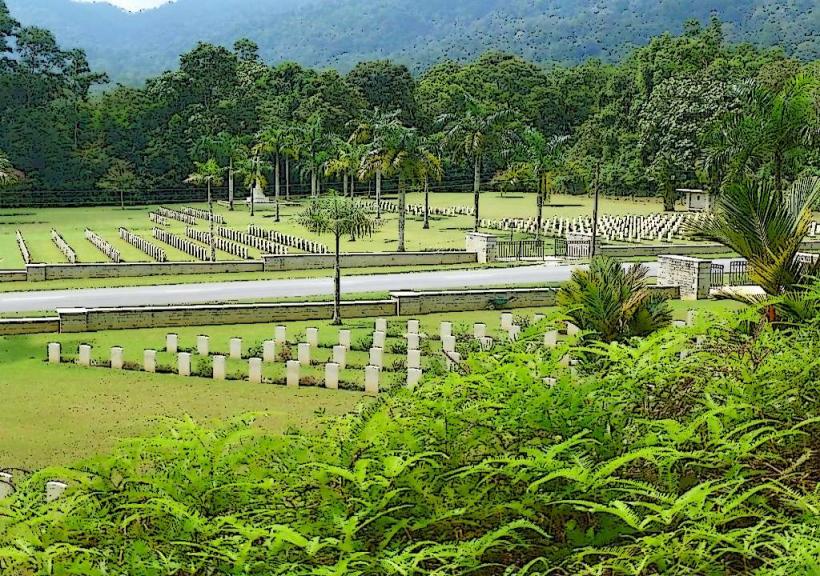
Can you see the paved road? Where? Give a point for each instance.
(259, 289)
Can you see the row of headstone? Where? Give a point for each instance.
(21, 244)
(288, 240)
(263, 245)
(158, 219)
(222, 244)
(176, 215)
(54, 488)
(63, 246)
(140, 243)
(103, 245)
(182, 244)
(418, 209)
(204, 215)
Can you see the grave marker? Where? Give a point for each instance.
(332, 376)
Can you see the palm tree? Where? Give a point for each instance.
(313, 142)
(544, 156)
(473, 136)
(344, 164)
(250, 170)
(224, 147)
(270, 142)
(291, 151)
(338, 216)
(8, 175)
(766, 227)
(209, 174)
(371, 131)
(770, 129)
(613, 302)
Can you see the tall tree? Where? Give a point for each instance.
(208, 174)
(271, 142)
(371, 130)
(544, 155)
(121, 178)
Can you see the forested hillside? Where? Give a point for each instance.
(418, 33)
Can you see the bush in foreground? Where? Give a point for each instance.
(648, 464)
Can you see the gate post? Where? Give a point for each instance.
(483, 245)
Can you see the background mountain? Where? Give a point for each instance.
(334, 33)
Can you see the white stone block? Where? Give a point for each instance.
(551, 339)
(549, 381)
(514, 332)
(332, 376)
(54, 490)
(184, 364)
(54, 353)
(453, 360)
(381, 325)
(371, 380)
(255, 370)
(344, 338)
(340, 356)
(700, 340)
(486, 343)
(293, 373)
(479, 331)
(6, 485)
(312, 337)
(413, 326)
(691, 316)
(448, 343)
(565, 361)
(280, 334)
(269, 351)
(413, 377)
(445, 329)
(572, 329)
(235, 348)
(413, 341)
(506, 321)
(303, 354)
(171, 343)
(377, 357)
(219, 372)
(85, 355)
(537, 318)
(149, 360)
(203, 345)
(678, 324)
(414, 359)
(379, 339)
(116, 358)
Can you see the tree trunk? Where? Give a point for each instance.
(122, 199)
(378, 194)
(669, 198)
(337, 283)
(401, 215)
(230, 184)
(426, 204)
(287, 177)
(476, 189)
(352, 185)
(778, 172)
(211, 222)
(539, 201)
(276, 188)
(313, 182)
(344, 184)
(593, 247)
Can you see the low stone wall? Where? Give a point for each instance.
(95, 319)
(42, 272)
(692, 275)
(704, 249)
(14, 326)
(13, 276)
(366, 260)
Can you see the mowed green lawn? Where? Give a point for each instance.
(54, 415)
(445, 232)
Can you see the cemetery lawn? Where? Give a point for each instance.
(54, 415)
(445, 233)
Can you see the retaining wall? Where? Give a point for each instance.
(705, 249)
(366, 260)
(42, 272)
(14, 326)
(13, 276)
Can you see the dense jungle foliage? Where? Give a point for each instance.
(638, 127)
(669, 454)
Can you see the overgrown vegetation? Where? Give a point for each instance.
(646, 461)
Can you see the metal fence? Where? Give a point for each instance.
(572, 248)
(520, 249)
(738, 274)
(716, 276)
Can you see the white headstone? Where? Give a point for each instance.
(203, 345)
(448, 343)
(414, 359)
(479, 331)
(269, 351)
(171, 343)
(255, 370)
(235, 348)
(413, 377)
(85, 355)
(116, 358)
(303, 354)
(149, 360)
(381, 325)
(54, 353)
(340, 356)
(371, 380)
(445, 329)
(453, 359)
(537, 318)
(551, 339)
(312, 337)
(293, 369)
(344, 338)
(332, 376)
(514, 332)
(691, 316)
(379, 339)
(486, 343)
(549, 381)
(219, 367)
(184, 364)
(413, 341)
(572, 329)
(54, 490)
(506, 321)
(412, 326)
(700, 340)
(6, 485)
(280, 334)
(377, 357)
(678, 324)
